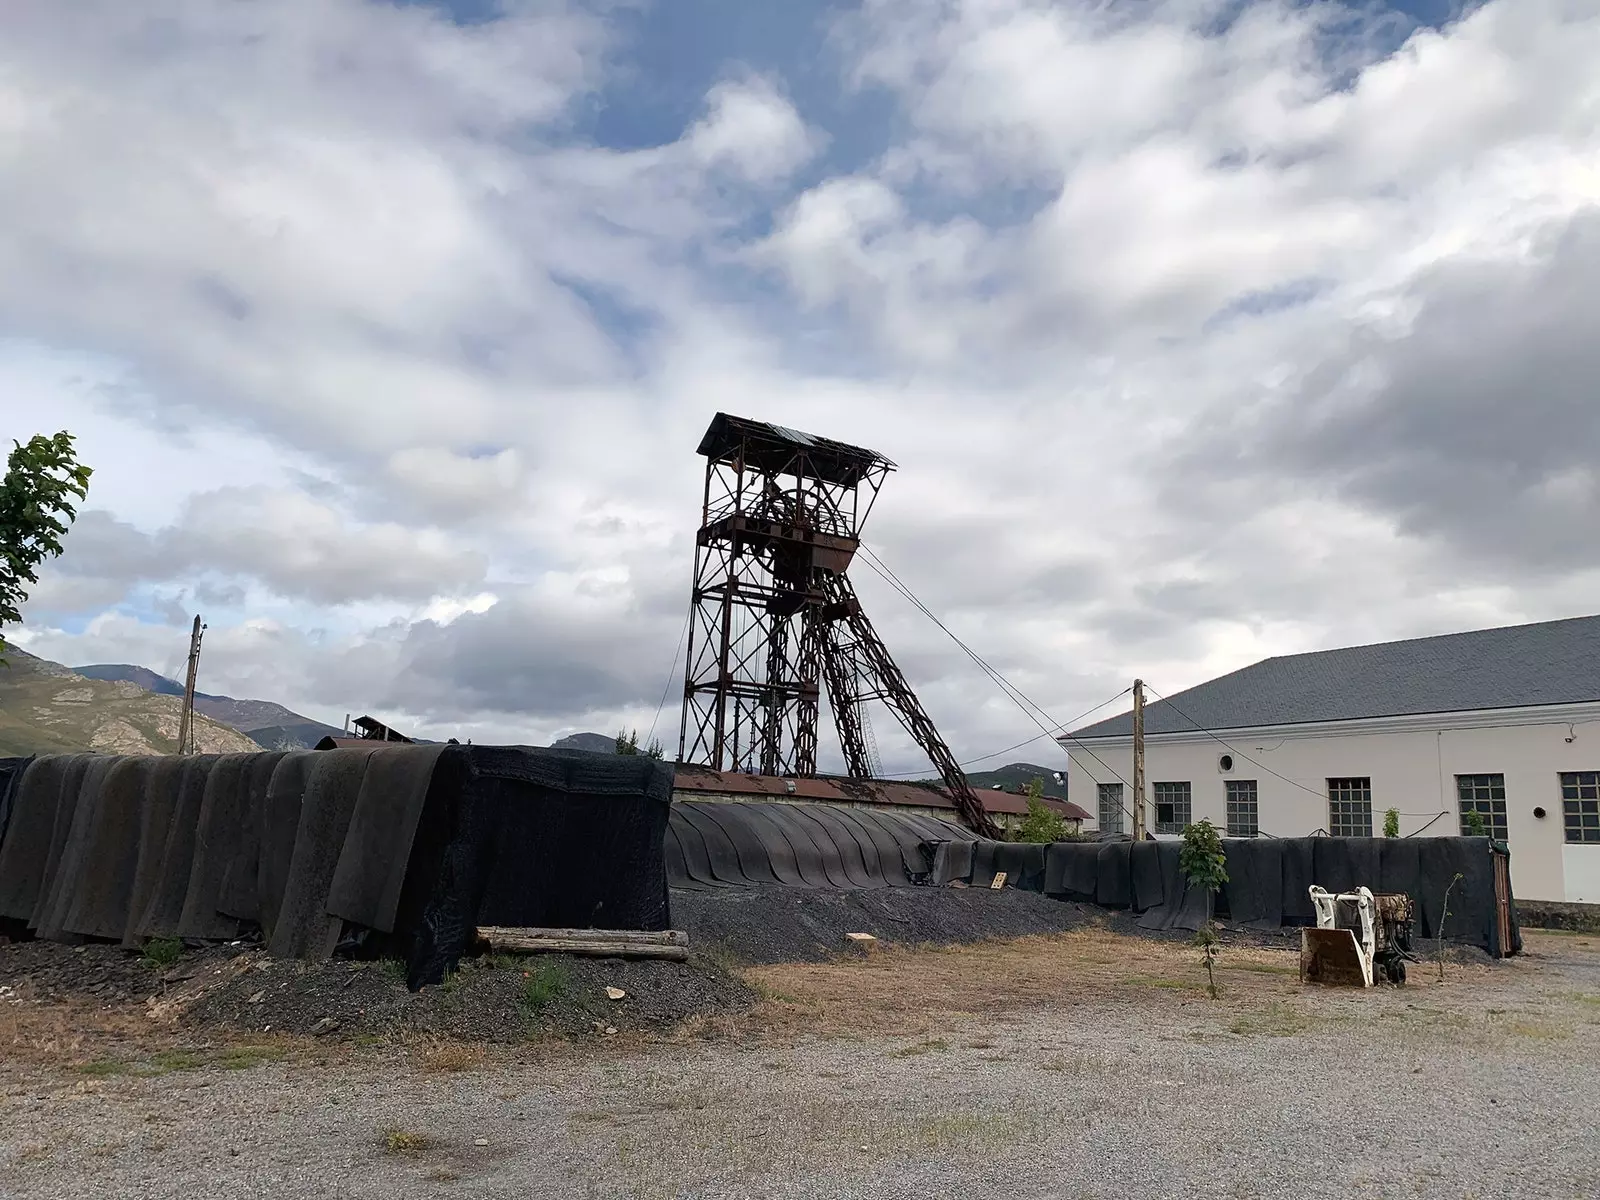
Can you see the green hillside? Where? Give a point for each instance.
(47, 709)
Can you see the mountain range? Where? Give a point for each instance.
(46, 708)
(270, 726)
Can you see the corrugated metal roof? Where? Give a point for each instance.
(842, 790)
(1517, 666)
(839, 461)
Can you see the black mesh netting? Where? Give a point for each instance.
(553, 838)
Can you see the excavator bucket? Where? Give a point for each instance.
(1333, 957)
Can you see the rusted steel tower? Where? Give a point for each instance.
(773, 612)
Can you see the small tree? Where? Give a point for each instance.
(1391, 823)
(1205, 865)
(1041, 824)
(1202, 861)
(628, 743)
(1472, 822)
(37, 505)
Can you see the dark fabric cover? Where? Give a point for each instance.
(304, 929)
(1297, 881)
(280, 821)
(376, 853)
(160, 918)
(27, 843)
(162, 784)
(11, 771)
(95, 897)
(1254, 891)
(1144, 867)
(61, 827)
(951, 861)
(1072, 870)
(67, 870)
(1114, 887)
(238, 896)
(1183, 906)
(217, 838)
(547, 838)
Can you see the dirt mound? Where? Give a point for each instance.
(502, 998)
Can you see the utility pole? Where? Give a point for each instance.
(186, 721)
(1138, 760)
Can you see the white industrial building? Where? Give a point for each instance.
(1504, 722)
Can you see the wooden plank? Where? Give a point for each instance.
(595, 943)
(646, 937)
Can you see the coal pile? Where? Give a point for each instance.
(501, 999)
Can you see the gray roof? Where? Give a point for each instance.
(1553, 662)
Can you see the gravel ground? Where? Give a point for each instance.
(1481, 1087)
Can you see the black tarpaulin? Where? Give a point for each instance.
(1254, 891)
(26, 847)
(64, 872)
(96, 889)
(11, 770)
(1114, 886)
(1297, 881)
(280, 822)
(238, 896)
(951, 861)
(1144, 869)
(555, 838)
(160, 918)
(162, 784)
(304, 928)
(371, 870)
(218, 832)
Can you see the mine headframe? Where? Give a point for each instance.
(773, 612)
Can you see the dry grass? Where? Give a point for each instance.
(899, 990)
(432, 1053)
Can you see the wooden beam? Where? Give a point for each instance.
(670, 944)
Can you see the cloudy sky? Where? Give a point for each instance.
(1202, 330)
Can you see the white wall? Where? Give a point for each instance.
(1412, 762)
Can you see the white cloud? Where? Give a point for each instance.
(357, 348)
(752, 129)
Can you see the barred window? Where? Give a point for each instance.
(1580, 805)
(1242, 820)
(1486, 796)
(1350, 807)
(1172, 806)
(1110, 808)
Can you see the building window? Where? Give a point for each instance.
(1350, 807)
(1242, 808)
(1486, 796)
(1110, 808)
(1580, 805)
(1172, 806)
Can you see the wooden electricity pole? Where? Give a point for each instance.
(1138, 760)
(186, 721)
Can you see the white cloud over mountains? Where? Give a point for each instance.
(1201, 331)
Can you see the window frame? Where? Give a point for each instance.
(1176, 788)
(1580, 807)
(1102, 791)
(1230, 801)
(1353, 791)
(1483, 801)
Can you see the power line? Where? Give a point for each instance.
(671, 668)
(1029, 741)
(1221, 741)
(883, 571)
